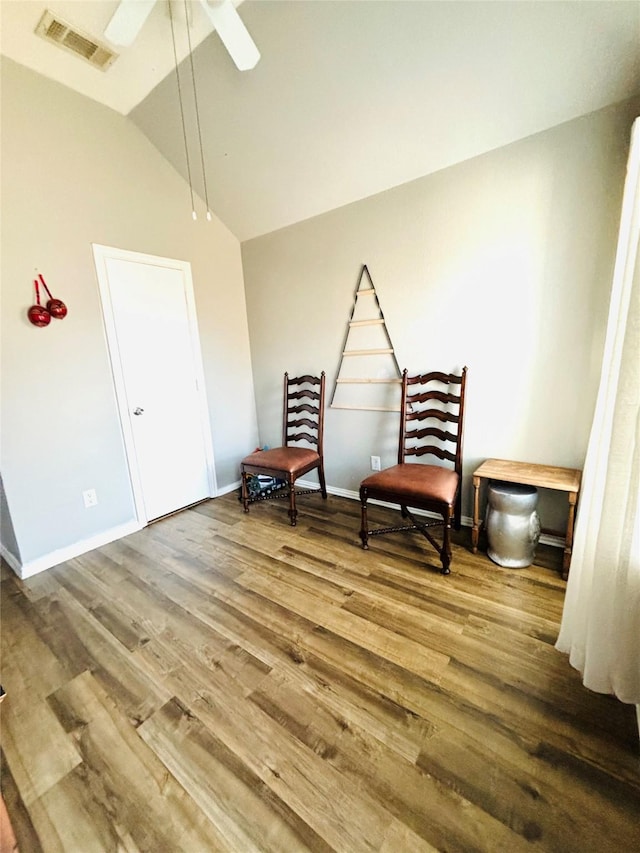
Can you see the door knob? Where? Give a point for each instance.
(138, 411)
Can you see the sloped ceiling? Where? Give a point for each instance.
(352, 98)
(137, 69)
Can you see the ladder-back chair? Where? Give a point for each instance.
(302, 440)
(431, 423)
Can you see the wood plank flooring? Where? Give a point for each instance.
(224, 682)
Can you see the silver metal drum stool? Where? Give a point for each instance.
(513, 526)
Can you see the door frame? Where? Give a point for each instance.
(101, 254)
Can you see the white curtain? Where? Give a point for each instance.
(600, 627)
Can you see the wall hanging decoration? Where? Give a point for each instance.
(38, 314)
(55, 307)
(368, 374)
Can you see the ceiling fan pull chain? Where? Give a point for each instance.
(195, 99)
(184, 129)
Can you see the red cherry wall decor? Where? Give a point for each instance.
(55, 307)
(40, 315)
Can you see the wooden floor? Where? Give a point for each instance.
(221, 681)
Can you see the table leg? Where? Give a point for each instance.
(568, 545)
(474, 529)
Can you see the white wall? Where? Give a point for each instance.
(502, 263)
(76, 173)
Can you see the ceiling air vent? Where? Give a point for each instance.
(54, 29)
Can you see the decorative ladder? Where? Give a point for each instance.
(368, 366)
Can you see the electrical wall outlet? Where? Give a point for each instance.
(90, 498)
(375, 463)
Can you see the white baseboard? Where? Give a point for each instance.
(34, 567)
(48, 561)
(467, 521)
(224, 490)
(10, 558)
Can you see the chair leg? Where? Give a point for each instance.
(457, 523)
(245, 492)
(364, 526)
(323, 485)
(445, 554)
(293, 512)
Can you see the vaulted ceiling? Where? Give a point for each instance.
(349, 98)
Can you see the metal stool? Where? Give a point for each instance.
(513, 526)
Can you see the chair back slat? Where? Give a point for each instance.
(427, 397)
(312, 438)
(442, 434)
(424, 414)
(304, 407)
(435, 376)
(303, 422)
(300, 380)
(434, 394)
(440, 452)
(304, 396)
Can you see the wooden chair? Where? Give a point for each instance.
(431, 397)
(303, 421)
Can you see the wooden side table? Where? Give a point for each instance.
(543, 476)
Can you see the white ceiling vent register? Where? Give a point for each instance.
(54, 29)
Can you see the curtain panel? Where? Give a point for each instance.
(600, 629)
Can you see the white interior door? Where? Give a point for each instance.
(155, 352)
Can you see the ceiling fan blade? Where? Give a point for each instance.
(233, 33)
(127, 21)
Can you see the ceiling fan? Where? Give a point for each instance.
(129, 18)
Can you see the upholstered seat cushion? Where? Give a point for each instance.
(290, 459)
(416, 482)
